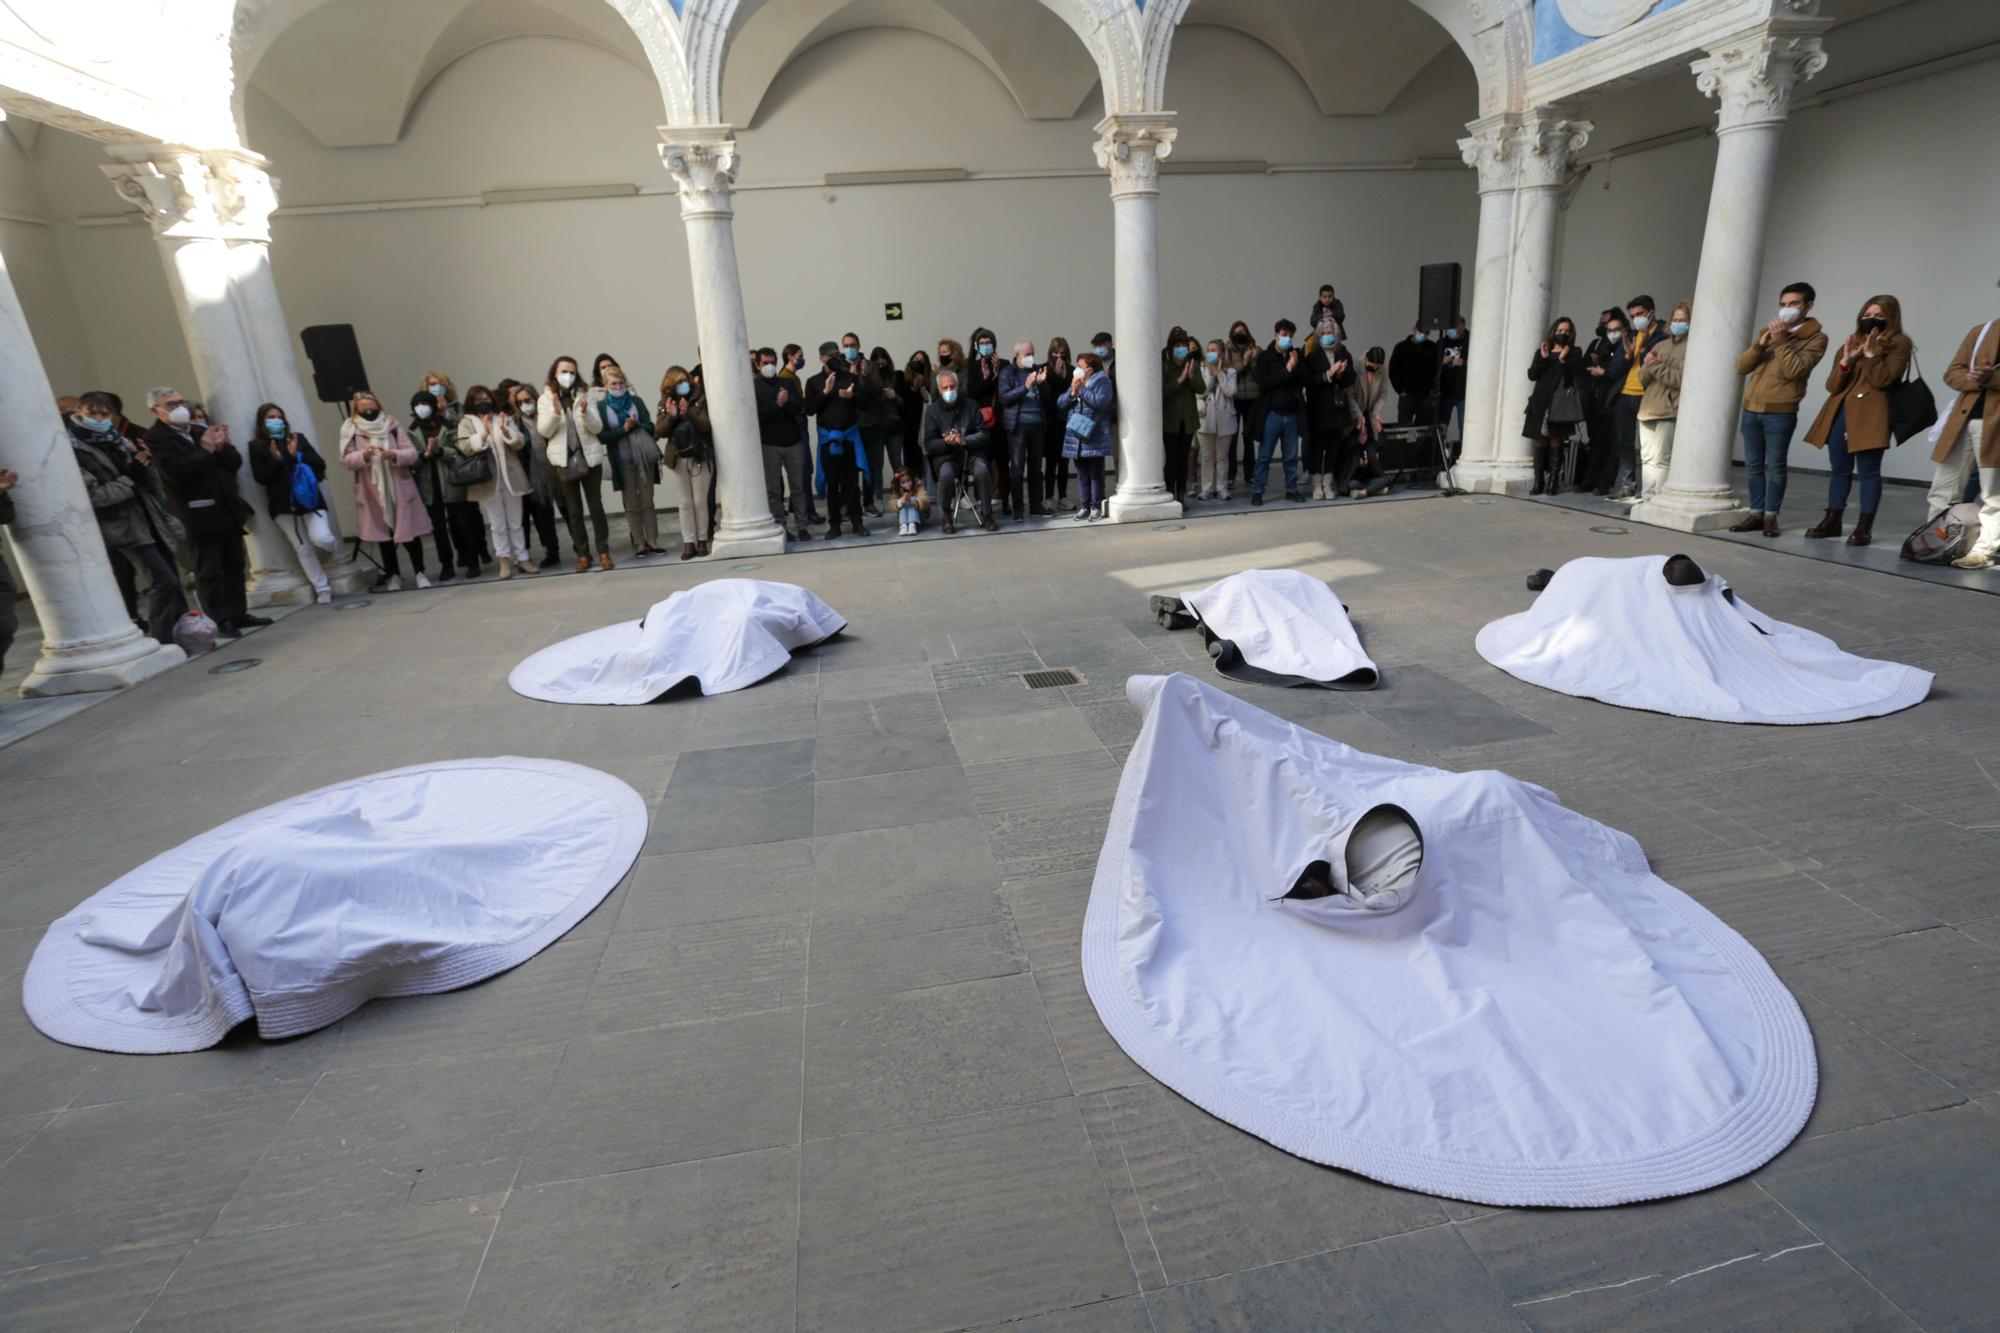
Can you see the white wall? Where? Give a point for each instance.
(29, 249)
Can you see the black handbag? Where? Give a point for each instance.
(1566, 406)
(1912, 408)
(463, 469)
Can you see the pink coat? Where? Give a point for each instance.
(412, 521)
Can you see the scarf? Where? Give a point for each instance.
(381, 475)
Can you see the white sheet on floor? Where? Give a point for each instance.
(1284, 622)
(1617, 631)
(726, 634)
(409, 882)
(1541, 1021)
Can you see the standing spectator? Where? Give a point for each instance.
(489, 428)
(1180, 408)
(1605, 365)
(1370, 396)
(1963, 440)
(1056, 374)
(1853, 423)
(597, 365)
(1088, 433)
(1215, 444)
(1024, 416)
(1640, 319)
(9, 618)
(1778, 363)
(1660, 406)
(781, 406)
(387, 508)
(1557, 365)
(914, 397)
(1413, 374)
(1451, 378)
(793, 368)
(626, 430)
(980, 381)
(199, 474)
(563, 416)
(434, 435)
(881, 428)
(950, 356)
(1328, 374)
(443, 394)
(293, 497)
(1240, 355)
(126, 495)
(956, 439)
(835, 397)
(1328, 306)
(690, 453)
(542, 503)
(1280, 385)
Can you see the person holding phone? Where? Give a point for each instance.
(1853, 423)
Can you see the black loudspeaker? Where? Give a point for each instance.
(1437, 296)
(336, 362)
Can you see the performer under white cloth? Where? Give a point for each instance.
(1274, 627)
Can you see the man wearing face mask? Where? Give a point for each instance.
(1605, 364)
(781, 408)
(835, 396)
(1451, 378)
(1778, 364)
(1413, 368)
(955, 440)
(1240, 355)
(1644, 325)
(125, 494)
(980, 381)
(200, 478)
(1281, 384)
(1024, 415)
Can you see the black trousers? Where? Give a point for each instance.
(219, 572)
(393, 567)
(843, 486)
(468, 534)
(949, 471)
(1322, 446)
(1598, 468)
(1344, 460)
(166, 602)
(441, 535)
(1175, 474)
(1000, 457)
(1029, 444)
(583, 501)
(542, 514)
(1243, 450)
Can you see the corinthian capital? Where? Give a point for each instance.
(1753, 77)
(1547, 142)
(1489, 150)
(1131, 147)
(702, 160)
(219, 195)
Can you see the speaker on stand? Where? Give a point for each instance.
(337, 377)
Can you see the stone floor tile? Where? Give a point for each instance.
(877, 864)
(907, 942)
(1047, 841)
(762, 879)
(104, 1291)
(1084, 777)
(971, 1220)
(1092, 1061)
(1862, 1079)
(1124, 1314)
(1050, 731)
(1933, 995)
(893, 745)
(709, 969)
(1048, 915)
(891, 800)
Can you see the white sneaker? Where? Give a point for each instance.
(1974, 560)
(423, 580)
(1223, 494)
(393, 583)
(323, 598)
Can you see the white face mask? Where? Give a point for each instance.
(1025, 362)
(1640, 323)
(769, 370)
(423, 410)
(1790, 314)
(565, 378)
(180, 416)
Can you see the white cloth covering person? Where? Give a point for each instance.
(1275, 627)
(1497, 1002)
(725, 634)
(408, 882)
(1619, 632)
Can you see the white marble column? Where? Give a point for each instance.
(1547, 141)
(1753, 78)
(1489, 149)
(702, 160)
(1130, 147)
(211, 213)
(88, 642)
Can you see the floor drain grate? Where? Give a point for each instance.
(351, 604)
(1049, 680)
(1610, 531)
(231, 668)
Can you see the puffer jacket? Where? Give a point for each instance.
(1097, 397)
(1662, 380)
(582, 412)
(130, 504)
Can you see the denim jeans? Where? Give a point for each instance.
(1767, 437)
(1844, 464)
(1277, 425)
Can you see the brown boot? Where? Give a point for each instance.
(687, 550)
(1864, 531)
(1770, 525)
(1748, 523)
(583, 564)
(1826, 527)
(604, 559)
(506, 569)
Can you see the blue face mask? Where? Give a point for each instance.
(1326, 340)
(1678, 328)
(1211, 357)
(1284, 342)
(1180, 354)
(1451, 335)
(98, 424)
(437, 390)
(1101, 349)
(851, 353)
(950, 395)
(274, 427)
(1417, 337)
(684, 388)
(986, 349)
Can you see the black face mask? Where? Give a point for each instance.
(1600, 330)
(482, 406)
(370, 413)
(1373, 367)
(1563, 339)
(1872, 325)
(1240, 339)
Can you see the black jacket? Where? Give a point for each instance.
(1326, 400)
(1546, 372)
(1600, 393)
(1278, 389)
(1451, 378)
(1320, 311)
(1413, 368)
(271, 466)
(835, 412)
(201, 484)
(778, 424)
(962, 415)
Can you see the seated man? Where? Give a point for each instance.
(955, 440)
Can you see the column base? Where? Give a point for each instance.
(350, 577)
(277, 587)
(1689, 511)
(1143, 507)
(1488, 477)
(88, 673)
(766, 538)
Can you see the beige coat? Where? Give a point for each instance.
(583, 411)
(1661, 380)
(1863, 390)
(1958, 375)
(502, 439)
(1780, 367)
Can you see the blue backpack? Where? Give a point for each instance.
(306, 498)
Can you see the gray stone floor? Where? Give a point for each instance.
(825, 1059)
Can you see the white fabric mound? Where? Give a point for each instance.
(1538, 1019)
(403, 883)
(1285, 623)
(726, 634)
(1617, 631)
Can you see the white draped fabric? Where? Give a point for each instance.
(1617, 631)
(409, 882)
(1538, 1019)
(725, 634)
(1284, 623)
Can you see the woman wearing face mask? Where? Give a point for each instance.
(489, 427)
(1605, 363)
(950, 355)
(1056, 374)
(980, 382)
(1558, 364)
(1218, 423)
(881, 429)
(1853, 424)
(443, 395)
(1240, 355)
(1089, 432)
(626, 430)
(1024, 416)
(915, 397)
(388, 511)
(1329, 378)
(792, 368)
(566, 417)
(1660, 373)
(1180, 418)
(690, 451)
(1367, 401)
(452, 526)
(542, 506)
(297, 505)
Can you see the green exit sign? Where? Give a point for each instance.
(892, 310)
